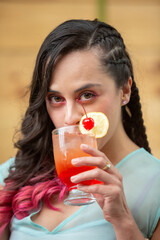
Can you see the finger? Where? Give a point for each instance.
(92, 151)
(99, 198)
(97, 174)
(89, 161)
(100, 189)
(103, 160)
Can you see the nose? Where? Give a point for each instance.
(72, 114)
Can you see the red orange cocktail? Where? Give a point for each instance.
(66, 145)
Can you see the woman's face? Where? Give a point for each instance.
(79, 75)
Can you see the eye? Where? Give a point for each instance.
(56, 100)
(87, 96)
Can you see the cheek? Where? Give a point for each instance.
(110, 106)
(112, 109)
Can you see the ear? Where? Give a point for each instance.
(126, 92)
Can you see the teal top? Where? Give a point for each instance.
(141, 180)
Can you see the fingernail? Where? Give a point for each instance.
(74, 161)
(80, 186)
(84, 146)
(73, 179)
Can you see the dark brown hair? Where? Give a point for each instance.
(35, 154)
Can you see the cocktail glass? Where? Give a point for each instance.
(66, 146)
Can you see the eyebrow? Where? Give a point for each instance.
(53, 91)
(87, 86)
(79, 89)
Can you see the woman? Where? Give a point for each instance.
(85, 61)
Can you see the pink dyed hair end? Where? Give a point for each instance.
(27, 200)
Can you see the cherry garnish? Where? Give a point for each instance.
(88, 122)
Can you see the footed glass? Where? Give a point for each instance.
(66, 146)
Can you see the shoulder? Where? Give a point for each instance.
(149, 156)
(4, 169)
(145, 167)
(140, 159)
(149, 163)
(142, 155)
(141, 175)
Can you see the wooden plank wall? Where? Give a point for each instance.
(23, 26)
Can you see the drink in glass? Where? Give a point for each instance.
(66, 146)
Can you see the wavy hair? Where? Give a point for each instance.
(34, 167)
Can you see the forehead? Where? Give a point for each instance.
(78, 68)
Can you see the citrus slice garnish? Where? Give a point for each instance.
(101, 124)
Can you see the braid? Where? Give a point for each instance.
(132, 114)
(137, 130)
(104, 33)
(116, 61)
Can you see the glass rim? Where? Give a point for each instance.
(56, 131)
(64, 127)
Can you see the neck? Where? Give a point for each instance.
(119, 146)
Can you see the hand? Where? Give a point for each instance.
(109, 195)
